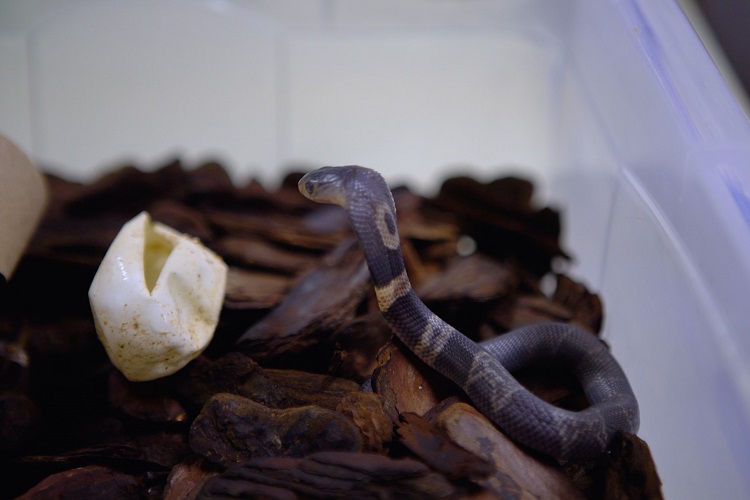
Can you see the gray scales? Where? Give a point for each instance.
(483, 370)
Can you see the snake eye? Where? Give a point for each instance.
(310, 187)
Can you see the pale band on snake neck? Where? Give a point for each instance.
(483, 370)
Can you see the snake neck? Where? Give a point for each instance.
(372, 213)
(373, 218)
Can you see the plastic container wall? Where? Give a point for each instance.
(675, 269)
(612, 106)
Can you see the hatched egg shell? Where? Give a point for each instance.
(156, 299)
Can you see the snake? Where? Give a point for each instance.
(483, 370)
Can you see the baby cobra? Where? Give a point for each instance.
(483, 370)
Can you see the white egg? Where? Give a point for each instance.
(156, 299)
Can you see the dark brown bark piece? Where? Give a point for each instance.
(505, 194)
(257, 253)
(476, 277)
(304, 388)
(437, 451)
(416, 270)
(165, 448)
(367, 411)
(631, 472)
(553, 384)
(27, 471)
(208, 180)
(356, 346)
(586, 307)
(323, 301)
(182, 218)
(20, 423)
(407, 384)
(415, 224)
(129, 190)
(331, 474)
(93, 481)
(233, 373)
(516, 471)
(187, 478)
(285, 199)
(232, 429)
(279, 228)
(527, 310)
(144, 401)
(500, 218)
(65, 239)
(254, 290)
(125, 454)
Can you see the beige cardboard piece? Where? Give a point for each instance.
(23, 197)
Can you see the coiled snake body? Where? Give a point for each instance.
(483, 370)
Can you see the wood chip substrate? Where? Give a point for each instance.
(274, 408)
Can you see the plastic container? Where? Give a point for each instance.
(613, 106)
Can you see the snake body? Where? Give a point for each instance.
(483, 370)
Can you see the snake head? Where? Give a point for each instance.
(325, 185)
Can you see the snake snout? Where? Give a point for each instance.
(324, 185)
(307, 188)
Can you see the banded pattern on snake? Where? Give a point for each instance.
(483, 370)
